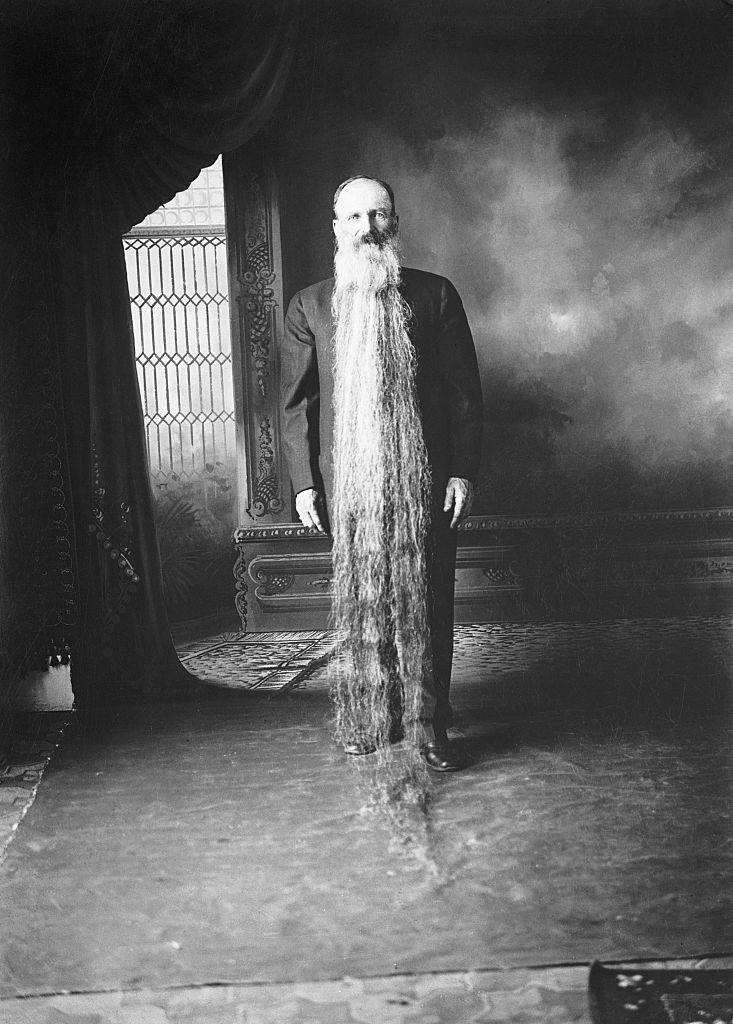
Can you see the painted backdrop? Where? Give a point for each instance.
(570, 167)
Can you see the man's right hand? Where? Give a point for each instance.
(307, 505)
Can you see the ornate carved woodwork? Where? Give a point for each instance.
(255, 286)
(520, 567)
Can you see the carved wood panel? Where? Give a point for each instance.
(518, 567)
(255, 285)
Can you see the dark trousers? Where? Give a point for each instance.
(441, 593)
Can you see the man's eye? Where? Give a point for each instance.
(353, 216)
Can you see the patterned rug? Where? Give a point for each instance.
(621, 650)
(275, 662)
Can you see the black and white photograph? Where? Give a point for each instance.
(366, 511)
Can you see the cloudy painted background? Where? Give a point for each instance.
(571, 170)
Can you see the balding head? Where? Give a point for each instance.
(365, 177)
(364, 212)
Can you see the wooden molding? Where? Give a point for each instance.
(498, 523)
(256, 314)
(510, 565)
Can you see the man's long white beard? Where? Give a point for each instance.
(381, 505)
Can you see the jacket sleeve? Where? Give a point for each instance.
(300, 396)
(462, 384)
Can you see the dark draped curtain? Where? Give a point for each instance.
(110, 107)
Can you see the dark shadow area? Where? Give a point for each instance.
(659, 995)
(527, 683)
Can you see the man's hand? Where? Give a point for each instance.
(307, 505)
(459, 497)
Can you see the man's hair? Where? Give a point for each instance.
(365, 177)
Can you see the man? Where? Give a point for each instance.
(382, 430)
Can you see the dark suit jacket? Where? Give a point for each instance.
(448, 383)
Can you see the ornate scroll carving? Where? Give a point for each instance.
(240, 588)
(274, 582)
(266, 493)
(255, 279)
(502, 577)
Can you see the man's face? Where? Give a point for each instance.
(364, 214)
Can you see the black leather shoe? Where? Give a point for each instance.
(442, 757)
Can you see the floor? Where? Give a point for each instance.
(224, 861)
(33, 721)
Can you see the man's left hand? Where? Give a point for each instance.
(459, 497)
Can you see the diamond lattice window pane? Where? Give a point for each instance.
(177, 274)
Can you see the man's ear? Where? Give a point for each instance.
(334, 225)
